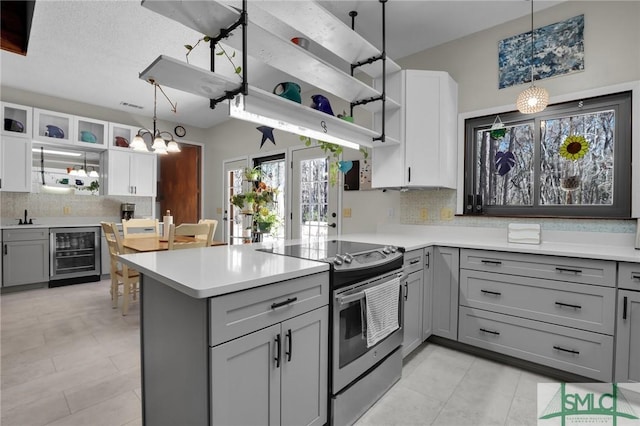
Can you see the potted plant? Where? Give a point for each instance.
(265, 219)
(252, 174)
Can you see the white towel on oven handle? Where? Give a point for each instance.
(381, 304)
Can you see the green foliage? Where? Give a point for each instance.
(237, 69)
(333, 150)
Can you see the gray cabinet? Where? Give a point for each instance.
(413, 300)
(627, 367)
(273, 376)
(15, 164)
(254, 357)
(427, 294)
(446, 262)
(25, 256)
(555, 311)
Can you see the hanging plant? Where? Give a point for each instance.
(222, 51)
(334, 150)
(504, 162)
(498, 133)
(574, 147)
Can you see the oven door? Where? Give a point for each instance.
(351, 357)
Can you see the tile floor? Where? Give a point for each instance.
(69, 359)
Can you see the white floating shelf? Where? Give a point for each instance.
(270, 48)
(309, 19)
(264, 108)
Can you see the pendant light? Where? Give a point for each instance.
(533, 99)
(159, 145)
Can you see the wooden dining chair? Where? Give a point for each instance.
(121, 274)
(213, 224)
(140, 228)
(188, 230)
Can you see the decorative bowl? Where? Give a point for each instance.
(288, 90)
(54, 132)
(12, 125)
(86, 136)
(122, 142)
(302, 42)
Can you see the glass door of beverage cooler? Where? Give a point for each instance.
(75, 253)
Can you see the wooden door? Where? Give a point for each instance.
(179, 184)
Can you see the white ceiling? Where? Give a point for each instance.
(92, 51)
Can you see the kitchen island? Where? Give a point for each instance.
(231, 335)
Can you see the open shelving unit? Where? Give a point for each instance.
(268, 40)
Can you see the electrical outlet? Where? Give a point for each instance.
(424, 214)
(219, 210)
(346, 212)
(446, 213)
(66, 210)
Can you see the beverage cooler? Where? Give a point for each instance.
(75, 255)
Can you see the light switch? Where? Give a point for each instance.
(424, 214)
(66, 210)
(219, 210)
(446, 213)
(346, 212)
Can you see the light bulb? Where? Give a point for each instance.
(532, 100)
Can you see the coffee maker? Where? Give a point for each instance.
(127, 210)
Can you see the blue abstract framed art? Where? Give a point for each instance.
(558, 49)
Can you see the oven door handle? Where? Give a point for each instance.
(352, 297)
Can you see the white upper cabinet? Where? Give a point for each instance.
(427, 128)
(131, 173)
(121, 136)
(53, 127)
(17, 120)
(15, 164)
(90, 133)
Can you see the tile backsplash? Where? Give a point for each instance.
(438, 206)
(13, 204)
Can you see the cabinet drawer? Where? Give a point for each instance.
(587, 307)
(236, 314)
(580, 352)
(413, 261)
(25, 234)
(584, 271)
(629, 276)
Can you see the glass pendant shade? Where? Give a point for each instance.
(138, 144)
(159, 144)
(173, 146)
(93, 173)
(82, 173)
(532, 100)
(73, 172)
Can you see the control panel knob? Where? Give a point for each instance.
(338, 260)
(348, 258)
(393, 249)
(386, 250)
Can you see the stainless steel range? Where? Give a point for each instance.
(360, 373)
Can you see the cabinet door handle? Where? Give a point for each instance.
(495, 333)
(635, 277)
(278, 351)
(571, 351)
(284, 303)
(406, 291)
(494, 293)
(414, 261)
(624, 308)
(5, 250)
(491, 262)
(568, 305)
(409, 177)
(289, 351)
(574, 271)
(428, 260)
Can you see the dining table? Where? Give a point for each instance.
(156, 243)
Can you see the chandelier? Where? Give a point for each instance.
(533, 99)
(161, 144)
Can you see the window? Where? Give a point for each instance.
(573, 159)
(272, 172)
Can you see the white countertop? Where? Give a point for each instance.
(213, 271)
(590, 245)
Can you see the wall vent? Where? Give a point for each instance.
(130, 105)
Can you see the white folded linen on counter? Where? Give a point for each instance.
(381, 305)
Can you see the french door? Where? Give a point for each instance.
(233, 219)
(314, 203)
